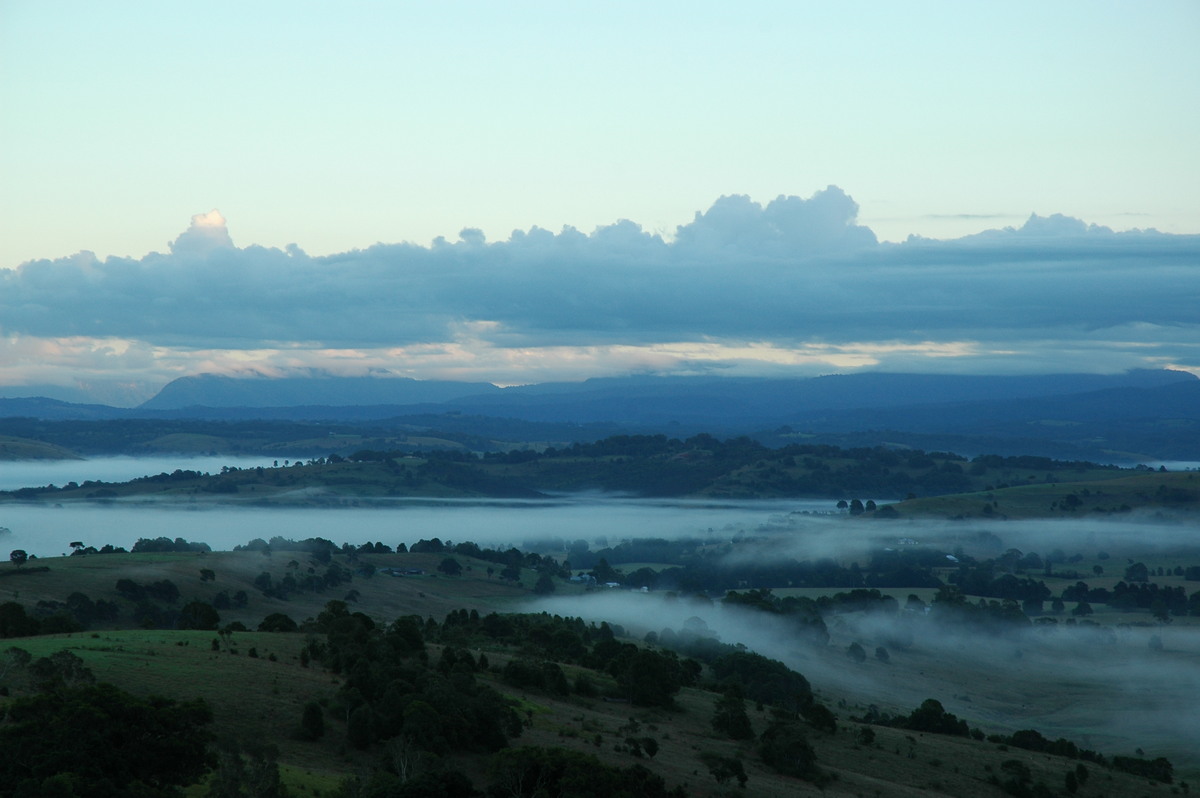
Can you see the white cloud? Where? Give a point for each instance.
(206, 233)
(793, 286)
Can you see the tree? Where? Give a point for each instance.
(312, 722)
(525, 772)
(277, 622)
(360, 727)
(450, 567)
(1158, 608)
(724, 768)
(649, 678)
(249, 771)
(545, 584)
(730, 718)
(931, 716)
(18, 557)
(1138, 572)
(163, 590)
(14, 622)
(198, 615)
(605, 572)
(118, 744)
(820, 717)
(784, 748)
(855, 652)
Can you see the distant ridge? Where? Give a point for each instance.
(42, 407)
(212, 390)
(1137, 416)
(734, 401)
(643, 398)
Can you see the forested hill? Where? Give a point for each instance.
(657, 466)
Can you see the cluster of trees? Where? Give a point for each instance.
(783, 746)
(67, 735)
(981, 579)
(160, 590)
(804, 614)
(951, 606)
(508, 563)
(153, 608)
(79, 612)
(652, 465)
(642, 676)
(529, 772)
(80, 550)
(932, 717)
(998, 578)
(657, 465)
(723, 568)
(1159, 769)
(648, 677)
(391, 692)
(295, 580)
(162, 544)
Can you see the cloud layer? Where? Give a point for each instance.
(792, 284)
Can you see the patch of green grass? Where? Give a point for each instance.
(13, 448)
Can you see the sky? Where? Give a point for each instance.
(528, 191)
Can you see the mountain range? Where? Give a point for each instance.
(1134, 416)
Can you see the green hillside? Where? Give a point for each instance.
(655, 466)
(1114, 495)
(258, 684)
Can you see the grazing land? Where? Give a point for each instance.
(1033, 634)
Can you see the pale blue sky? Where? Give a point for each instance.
(335, 126)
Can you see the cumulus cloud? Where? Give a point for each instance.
(206, 233)
(790, 283)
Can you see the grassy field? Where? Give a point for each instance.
(1116, 493)
(430, 594)
(14, 448)
(261, 697)
(997, 687)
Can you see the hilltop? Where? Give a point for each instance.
(903, 482)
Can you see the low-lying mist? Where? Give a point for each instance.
(16, 474)
(47, 530)
(1104, 688)
(811, 537)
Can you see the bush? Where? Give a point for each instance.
(312, 722)
(784, 748)
(277, 622)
